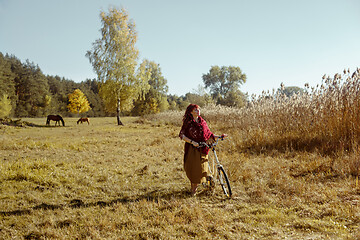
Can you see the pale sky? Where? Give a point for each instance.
(289, 41)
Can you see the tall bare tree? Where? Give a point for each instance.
(114, 59)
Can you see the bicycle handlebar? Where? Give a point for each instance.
(204, 144)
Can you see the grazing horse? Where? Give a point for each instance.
(81, 120)
(56, 118)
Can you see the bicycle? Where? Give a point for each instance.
(222, 177)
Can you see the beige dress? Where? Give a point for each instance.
(196, 165)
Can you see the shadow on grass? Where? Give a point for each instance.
(153, 196)
(20, 123)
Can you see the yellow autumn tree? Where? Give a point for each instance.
(78, 102)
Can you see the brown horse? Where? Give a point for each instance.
(56, 118)
(81, 120)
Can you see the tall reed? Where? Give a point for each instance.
(324, 118)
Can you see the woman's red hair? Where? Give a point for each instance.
(188, 116)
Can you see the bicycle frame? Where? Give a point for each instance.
(222, 177)
(215, 160)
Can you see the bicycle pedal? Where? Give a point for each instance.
(210, 181)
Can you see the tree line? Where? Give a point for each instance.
(28, 92)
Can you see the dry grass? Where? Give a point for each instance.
(103, 181)
(293, 167)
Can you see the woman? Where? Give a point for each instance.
(193, 131)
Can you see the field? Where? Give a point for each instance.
(103, 181)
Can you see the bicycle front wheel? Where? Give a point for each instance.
(224, 181)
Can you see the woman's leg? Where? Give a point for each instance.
(193, 188)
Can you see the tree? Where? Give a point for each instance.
(173, 101)
(224, 82)
(90, 89)
(5, 106)
(7, 84)
(31, 88)
(197, 99)
(154, 99)
(199, 96)
(234, 98)
(78, 102)
(289, 91)
(114, 59)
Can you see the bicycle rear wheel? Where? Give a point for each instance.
(224, 181)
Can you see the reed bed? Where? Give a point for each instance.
(323, 119)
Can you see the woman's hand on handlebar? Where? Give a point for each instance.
(223, 136)
(195, 144)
